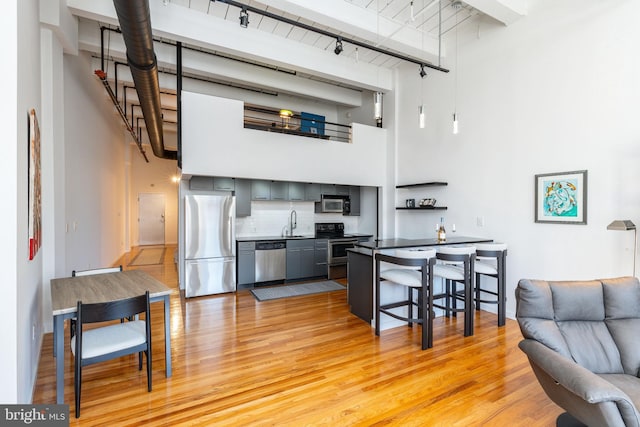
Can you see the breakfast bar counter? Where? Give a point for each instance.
(361, 267)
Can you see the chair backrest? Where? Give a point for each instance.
(457, 254)
(119, 309)
(490, 250)
(75, 273)
(596, 323)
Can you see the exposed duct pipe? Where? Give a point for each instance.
(135, 24)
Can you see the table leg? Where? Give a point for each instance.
(167, 336)
(58, 346)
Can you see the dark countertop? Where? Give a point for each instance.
(409, 243)
(264, 238)
(294, 237)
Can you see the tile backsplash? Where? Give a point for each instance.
(270, 219)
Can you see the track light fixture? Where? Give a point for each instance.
(244, 18)
(422, 71)
(338, 48)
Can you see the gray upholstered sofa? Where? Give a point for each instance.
(582, 339)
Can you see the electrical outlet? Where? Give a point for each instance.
(480, 221)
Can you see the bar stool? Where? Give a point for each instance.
(413, 269)
(491, 262)
(456, 265)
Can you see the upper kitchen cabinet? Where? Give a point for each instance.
(342, 190)
(260, 189)
(312, 192)
(201, 183)
(296, 191)
(354, 196)
(328, 189)
(223, 184)
(279, 190)
(243, 197)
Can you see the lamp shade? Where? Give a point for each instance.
(621, 224)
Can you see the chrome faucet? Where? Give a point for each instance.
(293, 221)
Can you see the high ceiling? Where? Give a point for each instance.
(416, 23)
(292, 60)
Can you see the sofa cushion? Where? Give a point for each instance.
(592, 346)
(577, 300)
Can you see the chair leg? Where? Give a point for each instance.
(477, 291)
(77, 385)
(468, 307)
(148, 353)
(410, 306)
(427, 325)
(140, 361)
(502, 299)
(377, 302)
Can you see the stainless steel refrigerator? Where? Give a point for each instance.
(210, 247)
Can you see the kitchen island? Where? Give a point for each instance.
(361, 267)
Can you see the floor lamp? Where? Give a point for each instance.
(626, 225)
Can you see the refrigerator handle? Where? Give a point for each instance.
(231, 235)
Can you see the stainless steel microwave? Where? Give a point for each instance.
(333, 204)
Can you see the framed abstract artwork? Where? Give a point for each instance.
(561, 197)
(35, 187)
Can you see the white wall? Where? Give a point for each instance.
(154, 177)
(215, 143)
(95, 171)
(21, 292)
(556, 91)
(12, 120)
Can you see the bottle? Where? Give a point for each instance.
(442, 234)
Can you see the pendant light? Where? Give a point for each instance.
(421, 108)
(377, 108)
(423, 73)
(456, 5)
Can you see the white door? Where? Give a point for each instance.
(150, 219)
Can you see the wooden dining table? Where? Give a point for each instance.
(66, 292)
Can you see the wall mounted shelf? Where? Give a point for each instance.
(423, 184)
(424, 208)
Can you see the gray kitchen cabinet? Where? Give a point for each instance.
(328, 189)
(246, 263)
(260, 189)
(223, 184)
(279, 190)
(300, 258)
(243, 197)
(320, 258)
(296, 191)
(202, 183)
(354, 197)
(342, 190)
(312, 192)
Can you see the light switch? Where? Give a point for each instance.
(480, 221)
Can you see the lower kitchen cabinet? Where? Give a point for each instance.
(300, 259)
(246, 263)
(320, 255)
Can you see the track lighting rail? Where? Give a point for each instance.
(245, 7)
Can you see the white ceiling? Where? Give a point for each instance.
(415, 29)
(402, 26)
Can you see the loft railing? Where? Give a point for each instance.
(294, 123)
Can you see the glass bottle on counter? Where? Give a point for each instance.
(442, 234)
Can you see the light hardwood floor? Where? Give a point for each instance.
(305, 361)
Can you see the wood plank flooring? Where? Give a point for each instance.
(305, 361)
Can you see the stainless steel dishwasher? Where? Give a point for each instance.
(271, 261)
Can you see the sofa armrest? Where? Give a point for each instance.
(575, 378)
